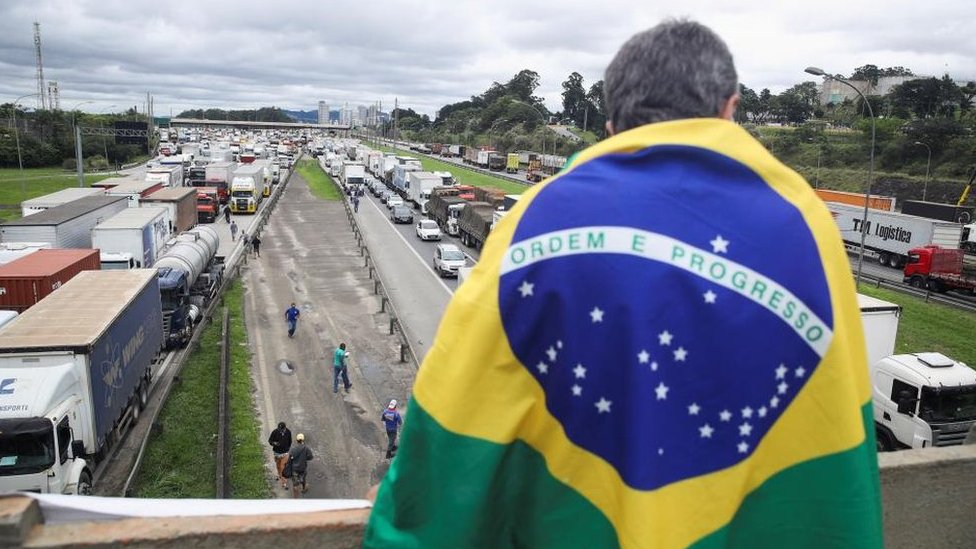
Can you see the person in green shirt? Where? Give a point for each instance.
(339, 368)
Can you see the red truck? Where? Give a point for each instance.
(220, 175)
(939, 269)
(208, 206)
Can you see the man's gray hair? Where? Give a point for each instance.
(677, 69)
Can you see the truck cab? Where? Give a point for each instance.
(242, 195)
(179, 314)
(922, 400)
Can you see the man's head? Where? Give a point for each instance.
(300, 437)
(281, 425)
(342, 346)
(292, 304)
(393, 404)
(678, 69)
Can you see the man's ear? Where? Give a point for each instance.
(727, 110)
(610, 128)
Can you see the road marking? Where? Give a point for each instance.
(411, 248)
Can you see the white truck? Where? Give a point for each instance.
(247, 188)
(75, 371)
(419, 185)
(353, 175)
(41, 203)
(170, 175)
(890, 235)
(919, 399)
(137, 232)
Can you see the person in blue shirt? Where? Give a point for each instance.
(392, 419)
(339, 368)
(291, 316)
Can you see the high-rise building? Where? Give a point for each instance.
(362, 114)
(345, 115)
(323, 112)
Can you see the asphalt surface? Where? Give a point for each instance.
(310, 256)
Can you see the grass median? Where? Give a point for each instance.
(930, 326)
(463, 175)
(180, 461)
(318, 181)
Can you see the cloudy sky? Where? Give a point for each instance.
(288, 53)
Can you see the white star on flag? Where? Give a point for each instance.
(745, 429)
(693, 409)
(762, 412)
(654, 366)
(580, 371)
(526, 288)
(603, 405)
(664, 338)
(743, 447)
(747, 412)
(800, 372)
(774, 402)
(680, 354)
(543, 368)
(719, 245)
(709, 296)
(725, 415)
(781, 371)
(643, 356)
(577, 390)
(552, 354)
(559, 344)
(782, 387)
(662, 391)
(706, 431)
(596, 315)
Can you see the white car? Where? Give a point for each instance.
(427, 229)
(394, 201)
(448, 258)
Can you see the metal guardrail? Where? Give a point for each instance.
(232, 267)
(926, 294)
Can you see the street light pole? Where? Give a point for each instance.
(78, 160)
(867, 195)
(928, 163)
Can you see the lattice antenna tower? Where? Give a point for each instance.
(41, 91)
(54, 95)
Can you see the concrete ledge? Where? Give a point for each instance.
(929, 497)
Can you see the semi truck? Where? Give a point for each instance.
(12, 251)
(208, 204)
(135, 190)
(181, 203)
(168, 175)
(474, 224)
(140, 232)
(420, 184)
(219, 175)
(934, 210)
(890, 236)
(353, 176)
(444, 206)
(247, 189)
(940, 270)
(41, 203)
(876, 202)
(512, 163)
(65, 226)
(400, 172)
(190, 272)
(31, 278)
(533, 172)
(75, 370)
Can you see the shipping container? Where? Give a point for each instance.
(135, 190)
(934, 210)
(181, 203)
(141, 232)
(116, 181)
(883, 203)
(41, 203)
(65, 226)
(31, 278)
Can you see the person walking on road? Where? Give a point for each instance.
(355, 203)
(227, 213)
(299, 456)
(256, 245)
(233, 230)
(280, 441)
(392, 420)
(339, 368)
(291, 316)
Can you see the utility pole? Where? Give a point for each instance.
(586, 115)
(396, 120)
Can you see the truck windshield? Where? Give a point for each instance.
(948, 404)
(242, 194)
(26, 446)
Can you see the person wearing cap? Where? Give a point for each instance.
(299, 456)
(392, 419)
(280, 441)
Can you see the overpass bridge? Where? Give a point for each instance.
(252, 125)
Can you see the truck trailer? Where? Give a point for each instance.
(181, 203)
(27, 280)
(135, 190)
(41, 203)
(190, 272)
(139, 232)
(474, 224)
(75, 371)
(167, 175)
(220, 175)
(940, 270)
(934, 210)
(419, 186)
(883, 203)
(65, 226)
(890, 235)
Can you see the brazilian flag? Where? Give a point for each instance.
(660, 347)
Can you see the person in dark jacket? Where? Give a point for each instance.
(280, 441)
(256, 245)
(299, 456)
(392, 420)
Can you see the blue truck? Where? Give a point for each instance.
(75, 370)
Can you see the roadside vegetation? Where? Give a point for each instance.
(318, 181)
(930, 326)
(463, 175)
(180, 460)
(16, 187)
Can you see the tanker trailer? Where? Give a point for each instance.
(189, 277)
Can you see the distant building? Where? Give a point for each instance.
(833, 92)
(345, 115)
(323, 112)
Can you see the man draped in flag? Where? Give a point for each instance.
(660, 347)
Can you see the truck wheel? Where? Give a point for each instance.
(882, 258)
(883, 441)
(143, 395)
(894, 261)
(936, 286)
(917, 282)
(84, 487)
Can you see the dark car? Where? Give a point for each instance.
(401, 214)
